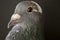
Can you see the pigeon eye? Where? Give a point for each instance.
(30, 9)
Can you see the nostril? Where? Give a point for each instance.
(30, 9)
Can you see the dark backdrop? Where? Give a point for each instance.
(51, 13)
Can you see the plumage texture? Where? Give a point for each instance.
(28, 25)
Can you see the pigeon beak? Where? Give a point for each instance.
(14, 20)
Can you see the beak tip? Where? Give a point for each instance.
(8, 26)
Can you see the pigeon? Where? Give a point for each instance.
(25, 22)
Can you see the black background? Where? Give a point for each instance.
(50, 10)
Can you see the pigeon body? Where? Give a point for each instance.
(25, 22)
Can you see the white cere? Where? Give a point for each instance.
(15, 16)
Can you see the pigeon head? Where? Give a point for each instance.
(26, 11)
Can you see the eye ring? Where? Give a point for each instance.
(30, 9)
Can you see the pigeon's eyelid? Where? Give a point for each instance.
(15, 16)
